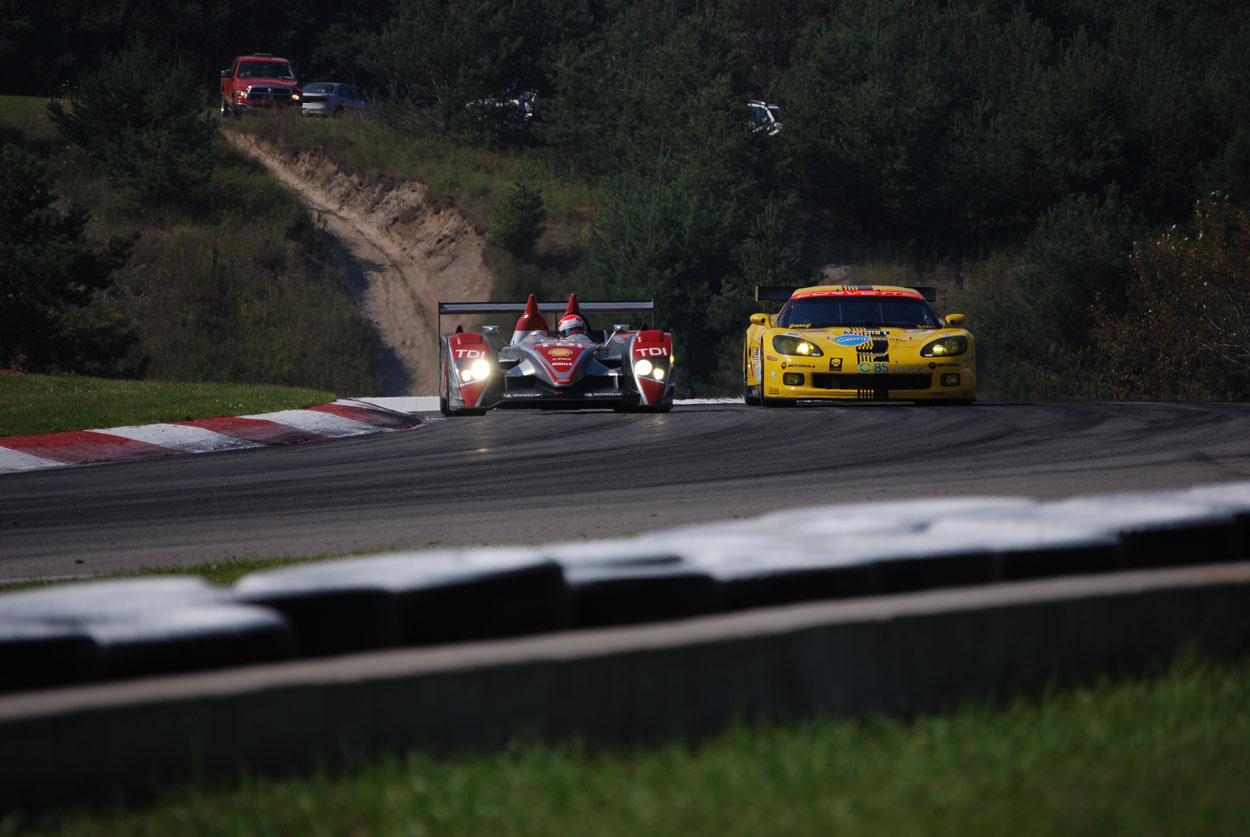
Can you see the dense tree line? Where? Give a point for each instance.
(1068, 132)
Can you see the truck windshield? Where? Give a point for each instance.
(265, 69)
(857, 311)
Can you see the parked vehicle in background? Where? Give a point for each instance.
(515, 108)
(332, 98)
(764, 117)
(259, 82)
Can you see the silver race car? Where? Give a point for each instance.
(569, 367)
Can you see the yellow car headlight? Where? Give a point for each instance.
(955, 344)
(792, 344)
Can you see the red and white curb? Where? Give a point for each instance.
(345, 417)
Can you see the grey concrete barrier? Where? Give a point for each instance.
(1067, 578)
(419, 598)
(128, 628)
(638, 588)
(900, 654)
(101, 630)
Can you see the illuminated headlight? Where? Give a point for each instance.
(656, 371)
(479, 370)
(946, 346)
(792, 344)
(295, 97)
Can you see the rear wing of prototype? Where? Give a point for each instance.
(555, 309)
(781, 293)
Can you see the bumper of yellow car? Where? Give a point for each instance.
(801, 381)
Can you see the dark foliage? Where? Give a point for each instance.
(519, 222)
(141, 119)
(942, 131)
(50, 273)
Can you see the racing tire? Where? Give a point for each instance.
(775, 402)
(747, 398)
(445, 407)
(450, 412)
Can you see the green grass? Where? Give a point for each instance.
(22, 107)
(49, 404)
(1168, 754)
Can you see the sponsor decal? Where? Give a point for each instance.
(522, 395)
(800, 365)
(852, 339)
(875, 368)
(774, 391)
(604, 393)
(835, 364)
(771, 359)
(650, 351)
(468, 354)
(908, 370)
(560, 352)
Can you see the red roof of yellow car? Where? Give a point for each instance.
(856, 290)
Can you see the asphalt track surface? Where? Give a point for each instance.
(532, 477)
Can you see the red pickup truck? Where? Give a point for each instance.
(259, 82)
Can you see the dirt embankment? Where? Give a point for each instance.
(403, 255)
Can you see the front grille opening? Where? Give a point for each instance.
(833, 380)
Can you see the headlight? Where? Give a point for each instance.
(792, 344)
(479, 370)
(643, 367)
(946, 346)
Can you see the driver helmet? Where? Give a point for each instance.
(571, 324)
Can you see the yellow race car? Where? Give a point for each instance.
(856, 342)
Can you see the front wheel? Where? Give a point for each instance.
(753, 396)
(774, 402)
(444, 405)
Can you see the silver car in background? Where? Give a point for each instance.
(332, 98)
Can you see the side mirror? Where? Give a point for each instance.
(620, 328)
(955, 319)
(226, 74)
(491, 333)
(759, 319)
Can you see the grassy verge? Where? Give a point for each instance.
(1168, 754)
(48, 404)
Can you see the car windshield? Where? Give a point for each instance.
(266, 69)
(319, 88)
(857, 311)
